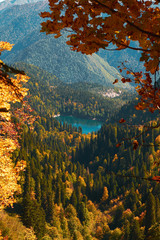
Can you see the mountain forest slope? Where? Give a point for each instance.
(76, 186)
(22, 28)
(84, 100)
(10, 3)
(79, 186)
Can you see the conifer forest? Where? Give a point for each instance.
(96, 61)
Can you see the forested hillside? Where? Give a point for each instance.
(82, 186)
(56, 182)
(132, 116)
(21, 27)
(84, 100)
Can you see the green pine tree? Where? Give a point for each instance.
(150, 212)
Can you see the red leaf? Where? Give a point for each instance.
(156, 178)
(122, 120)
(118, 145)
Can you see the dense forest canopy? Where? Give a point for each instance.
(76, 186)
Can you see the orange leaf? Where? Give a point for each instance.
(116, 80)
(124, 80)
(156, 178)
(135, 144)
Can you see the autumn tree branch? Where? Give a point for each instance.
(127, 21)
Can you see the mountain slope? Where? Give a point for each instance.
(128, 56)
(9, 3)
(22, 27)
(56, 57)
(83, 100)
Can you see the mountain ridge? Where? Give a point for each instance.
(9, 3)
(54, 55)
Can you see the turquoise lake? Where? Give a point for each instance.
(87, 125)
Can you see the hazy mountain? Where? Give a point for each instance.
(56, 57)
(9, 3)
(128, 56)
(21, 25)
(114, 58)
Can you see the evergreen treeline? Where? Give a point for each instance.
(83, 100)
(82, 186)
(133, 116)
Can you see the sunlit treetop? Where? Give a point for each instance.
(95, 24)
(11, 91)
(11, 84)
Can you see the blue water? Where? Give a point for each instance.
(87, 125)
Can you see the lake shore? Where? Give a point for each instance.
(87, 125)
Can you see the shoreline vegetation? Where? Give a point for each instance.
(80, 117)
(87, 125)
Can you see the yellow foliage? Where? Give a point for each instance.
(5, 46)
(115, 158)
(151, 158)
(15, 228)
(157, 140)
(105, 194)
(11, 90)
(116, 233)
(82, 182)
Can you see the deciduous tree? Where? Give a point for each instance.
(114, 25)
(96, 24)
(11, 91)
